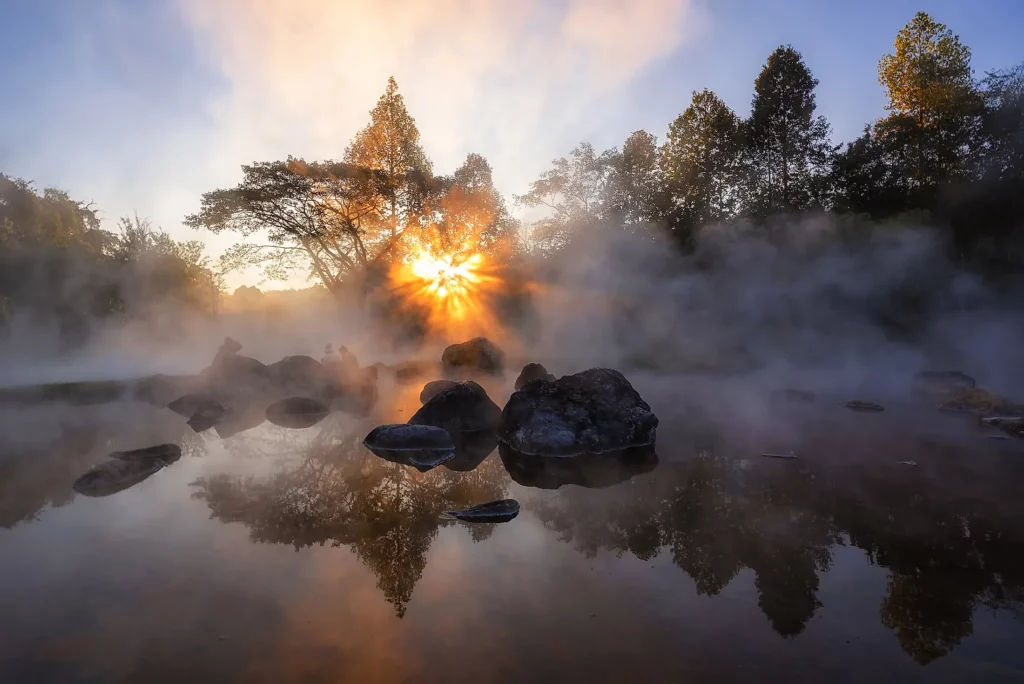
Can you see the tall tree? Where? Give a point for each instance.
(700, 161)
(390, 144)
(788, 146)
(574, 190)
(635, 190)
(932, 96)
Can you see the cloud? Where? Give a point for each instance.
(514, 80)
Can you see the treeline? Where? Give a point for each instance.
(949, 153)
(60, 270)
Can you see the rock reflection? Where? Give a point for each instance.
(586, 470)
(946, 555)
(340, 494)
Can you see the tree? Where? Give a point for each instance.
(788, 146)
(390, 144)
(701, 163)
(635, 195)
(573, 189)
(929, 83)
(1004, 123)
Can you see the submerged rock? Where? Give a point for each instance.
(585, 470)
(531, 372)
(478, 354)
(490, 512)
(296, 412)
(432, 389)
(864, 406)
(168, 453)
(979, 400)
(116, 475)
(938, 384)
(463, 407)
(590, 412)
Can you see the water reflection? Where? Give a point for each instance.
(338, 493)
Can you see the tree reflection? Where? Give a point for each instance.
(946, 553)
(338, 493)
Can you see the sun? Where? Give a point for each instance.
(454, 291)
(442, 278)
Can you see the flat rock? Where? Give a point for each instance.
(590, 412)
(405, 437)
(432, 389)
(168, 453)
(532, 372)
(463, 407)
(116, 475)
(863, 406)
(478, 354)
(490, 512)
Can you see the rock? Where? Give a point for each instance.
(490, 512)
(299, 373)
(587, 413)
(790, 456)
(296, 412)
(116, 475)
(941, 384)
(189, 404)
(238, 418)
(1011, 425)
(863, 406)
(168, 453)
(471, 449)
(421, 446)
(405, 437)
(463, 407)
(207, 416)
(531, 372)
(589, 470)
(432, 389)
(479, 354)
(979, 400)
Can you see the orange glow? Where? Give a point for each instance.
(453, 290)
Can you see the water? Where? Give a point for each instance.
(283, 555)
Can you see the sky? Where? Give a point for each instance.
(142, 105)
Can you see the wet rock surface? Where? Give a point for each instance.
(432, 389)
(423, 447)
(532, 372)
(476, 355)
(593, 471)
(490, 512)
(296, 412)
(116, 475)
(464, 407)
(168, 453)
(590, 412)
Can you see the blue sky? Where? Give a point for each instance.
(143, 105)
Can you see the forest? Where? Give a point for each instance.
(948, 155)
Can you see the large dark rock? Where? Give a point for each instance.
(464, 407)
(479, 354)
(531, 372)
(168, 453)
(590, 412)
(432, 389)
(116, 475)
(590, 470)
(189, 404)
(298, 373)
(490, 512)
(231, 373)
(296, 412)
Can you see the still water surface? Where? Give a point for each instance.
(281, 555)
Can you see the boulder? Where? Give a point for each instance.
(296, 412)
(478, 354)
(299, 373)
(189, 404)
(587, 413)
(432, 389)
(532, 372)
(464, 407)
(240, 417)
(116, 475)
